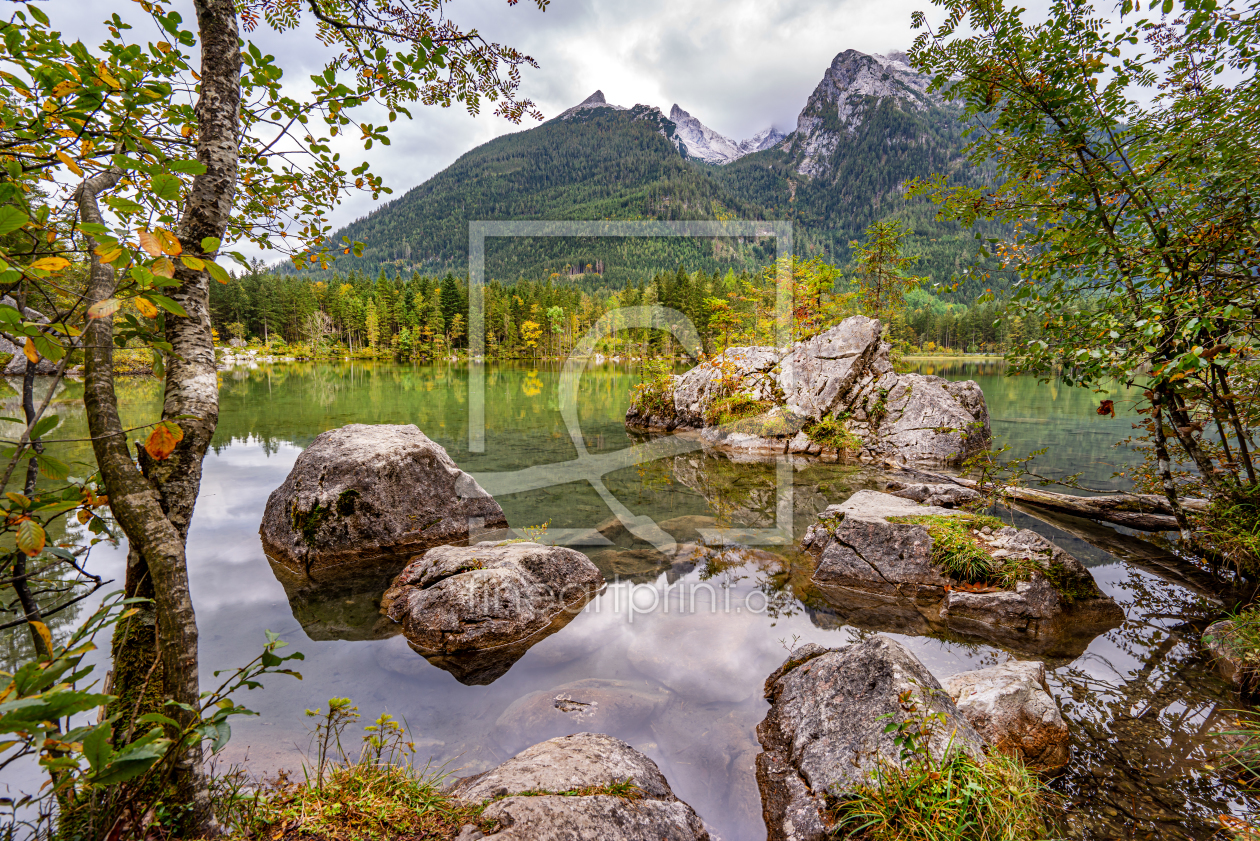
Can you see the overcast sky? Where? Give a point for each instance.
(737, 65)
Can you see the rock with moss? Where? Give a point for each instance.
(587, 785)
(931, 569)
(372, 494)
(827, 730)
(1011, 707)
(477, 609)
(830, 396)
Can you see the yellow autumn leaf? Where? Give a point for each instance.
(42, 629)
(50, 264)
(83, 516)
(146, 307)
(108, 253)
(186, 131)
(164, 268)
(194, 263)
(64, 87)
(170, 245)
(149, 243)
(102, 73)
(31, 353)
(69, 162)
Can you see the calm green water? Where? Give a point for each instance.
(682, 684)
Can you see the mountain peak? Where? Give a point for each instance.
(850, 87)
(705, 144)
(595, 100)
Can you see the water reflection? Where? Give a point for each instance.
(679, 679)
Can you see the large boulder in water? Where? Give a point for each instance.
(827, 729)
(372, 494)
(1011, 707)
(574, 788)
(487, 604)
(876, 556)
(796, 399)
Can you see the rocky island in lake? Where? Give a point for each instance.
(836, 392)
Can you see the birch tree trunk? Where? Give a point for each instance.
(153, 500)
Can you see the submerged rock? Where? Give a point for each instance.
(589, 704)
(570, 788)
(1219, 640)
(825, 733)
(475, 610)
(1011, 707)
(815, 398)
(368, 493)
(867, 560)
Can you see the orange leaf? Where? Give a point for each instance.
(104, 309)
(162, 441)
(170, 244)
(149, 243)
(52, 264)
(30, 351)
(186, 131)
(146, 307)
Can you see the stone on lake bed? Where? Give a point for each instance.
(1011, 707)
(826, 730)
(590, 704)
(372, 493)
(552, 792)
(457, 601)
(876, 548)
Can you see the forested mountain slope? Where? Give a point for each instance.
(868, 128)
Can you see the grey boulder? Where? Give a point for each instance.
(1011, 707)
(869, 566)
(825, 732)
(492, 599)
(372, 494)
(550, 792)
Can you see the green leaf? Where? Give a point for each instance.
(96, 746)
(217, 272)
(167, 304)
(45, 425)
(11, 219)
(166, 186)
(210, 245)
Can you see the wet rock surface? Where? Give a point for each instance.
(842, 376)
(1011, 707)
(372, 493)
(492, 600)
(825, 731)
(865, 561)
(1218, 642)
(528, 804)
(941, 495)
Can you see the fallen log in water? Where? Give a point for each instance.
(1144, 512)
(1143, 555)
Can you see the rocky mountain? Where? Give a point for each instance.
(852, 90)
(868, 128)
(705, 144)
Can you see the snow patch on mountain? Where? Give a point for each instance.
(705, 144)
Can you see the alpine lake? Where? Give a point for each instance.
(672, 655)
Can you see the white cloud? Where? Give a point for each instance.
(736, 65)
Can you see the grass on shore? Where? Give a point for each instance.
(356, 802)
(955, 799)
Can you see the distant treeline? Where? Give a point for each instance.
(425, 316)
